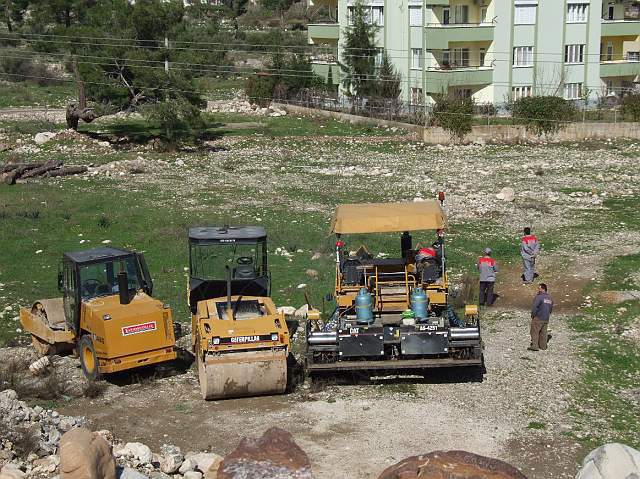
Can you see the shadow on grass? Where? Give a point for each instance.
(140, 132)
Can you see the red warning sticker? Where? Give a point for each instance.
(139, 328)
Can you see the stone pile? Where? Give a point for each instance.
(243, 107)
(30, 437)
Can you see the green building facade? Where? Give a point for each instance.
(497, 50)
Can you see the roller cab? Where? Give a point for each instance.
(240, 340)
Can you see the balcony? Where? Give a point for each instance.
(617, 28)
(438, 80)
(437, 3)
(321, 68)
(621, 68)
(439, 35)
(323, 31)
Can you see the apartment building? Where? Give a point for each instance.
(496, 50)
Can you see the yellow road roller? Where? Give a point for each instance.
(240, 340)
(106, 315)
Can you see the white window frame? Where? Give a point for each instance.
(518, 92)
(374, 15)
(577, 12)
(525, 13)
(415, 16)
(417, 59)
(574, 53)
(446, 16)
(483, 56)
(523, 56)
(609, 56)
(572, 91)
(417, 96)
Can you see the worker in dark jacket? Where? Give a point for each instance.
(487, 267)
(540, 313)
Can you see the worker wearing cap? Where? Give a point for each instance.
(540, 314)
(488, 268)
(529, 250)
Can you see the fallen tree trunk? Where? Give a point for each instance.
(11, 177)
(12, 166)
(66, 171)
(49, 165)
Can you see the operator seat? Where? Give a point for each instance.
(430, 272)
(244, 270)
(351, 275)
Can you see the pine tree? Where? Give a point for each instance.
(388, 89)
(359, 57)
(331, 87)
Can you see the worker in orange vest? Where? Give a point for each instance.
(529, 250)
(488, 268)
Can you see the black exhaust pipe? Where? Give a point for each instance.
(123, 288)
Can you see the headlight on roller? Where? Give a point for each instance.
(274, 336)
(215, 341)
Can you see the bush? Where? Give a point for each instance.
(178, 121)
(631, 106)
(543, 114)
(23, 69)
(259, 89)
(454, 114)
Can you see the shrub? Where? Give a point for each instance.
(178, 121)
(631, 106)
(25, 69)
(259, 89)
(454, 114)
(543, 114)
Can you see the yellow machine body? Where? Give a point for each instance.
(136, 334)
(241, 354)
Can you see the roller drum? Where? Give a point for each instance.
(243, 373)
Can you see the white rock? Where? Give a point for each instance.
(203, 460)
(187, 465)
(506, 194)
(129, 473)
(193, 475)
(611, 461)
(139, 451)
(42, 137)
(39, 251)
(11, 471)
(302, 311)
(316, 256)
(302, 285)
(288, 310)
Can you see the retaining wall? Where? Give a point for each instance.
(516, 133)
(483, 133)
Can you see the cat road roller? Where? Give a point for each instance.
(240, 340)
(106, 314)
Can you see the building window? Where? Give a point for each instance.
(460, 57)
(372, 15)
(416, 96)
(573, 91)
(415, 16)
(462, 93)
(416, 58)
(518, 92)
(446, 16)
(483, 15)
(523, 56)
(377, 15)
(574, 54)
(609, 56)
(611, 12)
(483, 56)
(461, 14)
(609, 88)
(577, 12)
(633, 56)
(525, 14)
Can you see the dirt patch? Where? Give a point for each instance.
(566, 288)
(356, 431)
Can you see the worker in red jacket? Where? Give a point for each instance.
(529, 250)
(487, 268)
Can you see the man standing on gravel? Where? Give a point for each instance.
(529, 250)
(540, 313)
(488, 268)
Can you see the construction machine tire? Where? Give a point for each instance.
(241, 374)
(88, 358)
